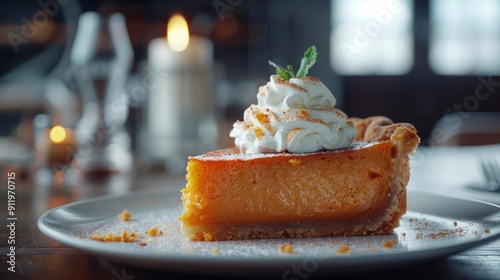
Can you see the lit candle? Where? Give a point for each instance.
(180, 92)
(61, 146)
(179, 50)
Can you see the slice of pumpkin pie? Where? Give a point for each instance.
(300, 168)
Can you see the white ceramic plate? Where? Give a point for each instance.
(435, 225)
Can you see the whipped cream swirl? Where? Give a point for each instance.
(297, 116)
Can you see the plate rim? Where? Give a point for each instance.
(184, 262)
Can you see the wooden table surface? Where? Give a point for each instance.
(39, 257)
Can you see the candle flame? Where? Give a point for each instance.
(178, 33)
(57, 134)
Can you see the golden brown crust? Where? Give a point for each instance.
(223, 232)
(402, 135)
(377, 128)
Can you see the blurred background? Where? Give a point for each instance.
(433, 63)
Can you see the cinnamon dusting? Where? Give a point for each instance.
(283, 82)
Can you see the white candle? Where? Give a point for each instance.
(181, 95)
(199, 52)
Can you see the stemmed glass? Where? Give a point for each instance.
(101, 59)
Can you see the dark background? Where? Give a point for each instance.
(244, 38)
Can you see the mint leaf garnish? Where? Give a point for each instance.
(285, 74)
(307, 61)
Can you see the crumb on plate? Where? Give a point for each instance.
(346, 250)
(125, 215)
(153, 231)
(286, 248)
(388, 245)
(124, 236)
